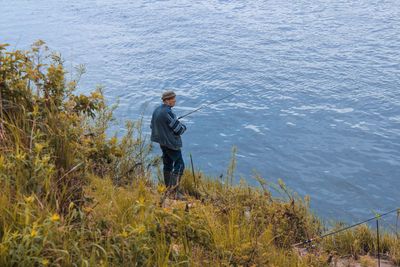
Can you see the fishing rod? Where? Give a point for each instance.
(376, 217)
(206, 105)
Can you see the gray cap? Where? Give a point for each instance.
(168, 95)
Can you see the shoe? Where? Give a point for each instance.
(174, 178)
(167, 178)
(179, 196)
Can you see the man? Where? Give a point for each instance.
(166, 130)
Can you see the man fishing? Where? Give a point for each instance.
(166, 130)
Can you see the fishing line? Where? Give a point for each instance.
(378, 216)
(208, 104)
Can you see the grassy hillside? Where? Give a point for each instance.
(72, 196)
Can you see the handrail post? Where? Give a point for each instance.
(377, 235)
(194, 176)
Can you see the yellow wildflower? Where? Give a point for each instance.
(33, 233)
(113, 141)
(39, 147)
(29, 199)
(45, 262)
(35, 110)
(97, 95)
(140, 229)
(87, 209)
(124, 234)
(55, 217)
(161, 188)
(141, 200)
(20, 156)
(166, 210)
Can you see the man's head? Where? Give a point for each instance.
(168, 98)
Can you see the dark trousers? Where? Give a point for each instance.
(172, 161)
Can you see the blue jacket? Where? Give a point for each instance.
(166, 129)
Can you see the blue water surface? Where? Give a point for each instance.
(320, 80)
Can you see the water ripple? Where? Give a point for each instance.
(320, 99)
